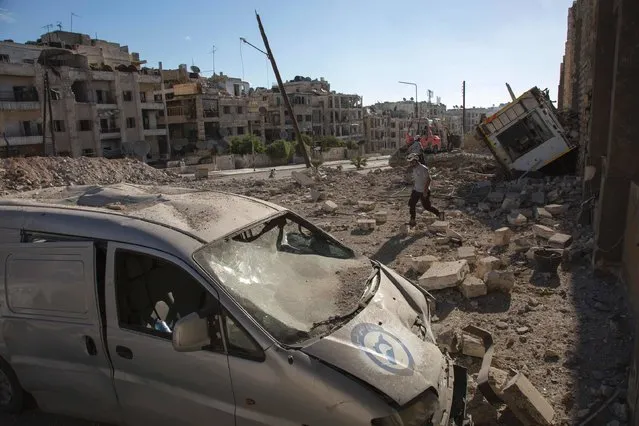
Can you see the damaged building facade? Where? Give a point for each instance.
(101, 99)
(598, 87)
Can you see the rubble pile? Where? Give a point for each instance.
(24, 174)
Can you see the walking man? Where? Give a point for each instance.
(421, 189)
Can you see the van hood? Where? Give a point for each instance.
(389, 344)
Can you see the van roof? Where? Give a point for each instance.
(203, 215)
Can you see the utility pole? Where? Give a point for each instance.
(48, 28)
(212, 52)
(47, 95)
(287, 102)
(166, 114)
(71, 27)
(44, 116)
(463, 110)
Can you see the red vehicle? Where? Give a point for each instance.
(429, 138)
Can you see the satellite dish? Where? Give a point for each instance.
(141, 149)
(195, 69)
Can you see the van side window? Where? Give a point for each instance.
(153, 294)
(240, 343)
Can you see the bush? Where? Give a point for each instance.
(359, 162)
(280, 149)
(241, 145)
(327, 142)
(352, 145)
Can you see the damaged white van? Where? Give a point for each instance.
(166, 306)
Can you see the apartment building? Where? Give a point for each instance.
(318, 110)
(384, 132)
(101, 100)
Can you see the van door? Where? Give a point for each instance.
(147, 291)
(51, 328)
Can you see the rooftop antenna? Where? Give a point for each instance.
(71, 27)
(48, 28)
(212, 52)
(59, 25)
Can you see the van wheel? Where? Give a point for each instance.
(11, 393)
(435, 149)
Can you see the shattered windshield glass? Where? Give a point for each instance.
(294, 280)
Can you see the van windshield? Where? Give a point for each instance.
(294, 279)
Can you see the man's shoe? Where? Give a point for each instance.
(412, 223)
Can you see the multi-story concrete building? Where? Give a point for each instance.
(384, 132)
(102, 102)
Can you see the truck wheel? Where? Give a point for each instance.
(11, 393)
(435, 149)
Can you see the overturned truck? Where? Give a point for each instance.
(526, 136)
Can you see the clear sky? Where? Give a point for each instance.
(359, 46)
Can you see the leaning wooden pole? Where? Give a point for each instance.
(287, 103)
(51, 129)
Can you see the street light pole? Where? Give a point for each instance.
(416, 103)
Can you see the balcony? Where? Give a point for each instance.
(152, 105)
(154, 132)
(22, 70)
(148, 78)
(109, 132)
(19, 101)
(14, 139)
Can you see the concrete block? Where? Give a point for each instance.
(517, 219)
(510, 204)
(473, 287)
(523, 244)
(526, 212)
(501, 237)
(526, 402)
(367, 206)
(467, 253)
(483, 207)
(544, 232)
(503, 281)
(444, 275)
(485, 265)
(559, 240)
(441, 241)
(472, 346)
(303, 179)
(541, 213)
(366, 224)
(554, 196)
(317, 195)
(439, 226)
(381, 217)
(557, 209)
(201, 172)
(495, 197)
(329, 206)
(538, 198)
(421, 264)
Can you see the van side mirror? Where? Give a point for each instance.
(191, 333)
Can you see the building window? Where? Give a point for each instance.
(308, 118)
(130, 122)
(127, 95)
(142, 97)
(240, 130)
(85, 125)
(393, 135)
(239, 110)
(299, 118)
(157, 98)
(58, 125)
(227, 110)
(4, 58)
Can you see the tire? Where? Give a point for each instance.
(435, 149)
(11, 393)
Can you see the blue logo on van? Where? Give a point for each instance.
(383, 348)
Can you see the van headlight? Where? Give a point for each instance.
(418, 412)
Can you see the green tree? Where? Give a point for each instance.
(280, 149)
(241, 145)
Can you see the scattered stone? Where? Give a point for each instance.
(483, 207)
(497, 378)
(473, 287)
(559, 240)
(326, 226)
(495, 197)
(467, 253)
(554, 196)
(366, 206)
(444, 274)
(421, 264)
(201, 172)
(517, 219)
(115, 206)
(526, 212)
(542, 214)
(485, 265)
(551, 355)
(501, 237)
(441, 241)
(544, 232)
(619, 410)
(523, 244)
(317, 195)
(381, 217)
(526, 402)
(510, 203)
(459, 202)
(538, 198)
(522, 330)
(472, 346)
(557, 209)
(503, 281)
(449, 339)
(439, 226)
(366, 224)
(501, 325)
(329, 206)
(302, 179)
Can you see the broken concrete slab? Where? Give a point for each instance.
(554, 196)
(444, 275)
(366, 206)
(557, 209)
(517, 219)
(302, 179)
(472, 346)
(483, 207)
(467, 253)
(543, 231)
(541, 213)
(560, 240)
(317, 195)
(501, 237)
(440, 241)
(439, 226)
(495, 197)
(526, 402)
(522, 244)
(449, 339)
(510, 203)
(538, 198)
(485, 265)
(381, 217)
(366, 224)
(421, 264)
(329, 206)
(503, 281)
(473, 287)
(526, 212)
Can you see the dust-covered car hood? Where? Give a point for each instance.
(383, 345)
